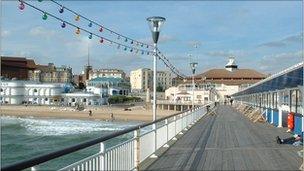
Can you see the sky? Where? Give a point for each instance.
(262, 35)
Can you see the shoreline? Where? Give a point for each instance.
(137, 113)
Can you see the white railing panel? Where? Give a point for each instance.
(146, 146)
(171, 131)
(178, 125)
(82, 163)
(161, 136)
(120, 157)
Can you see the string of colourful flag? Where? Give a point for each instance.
(137, 45)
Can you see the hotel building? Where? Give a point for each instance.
(142, 79)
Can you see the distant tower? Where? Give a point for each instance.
(88, 68)
(231, 66)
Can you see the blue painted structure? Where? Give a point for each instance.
(298, 124)
(277, 84)
(275, 117)
(269, 115)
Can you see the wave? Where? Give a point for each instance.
(59, 127)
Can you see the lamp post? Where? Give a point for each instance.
(155, 24)
(193, 66)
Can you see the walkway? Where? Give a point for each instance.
(229, 141)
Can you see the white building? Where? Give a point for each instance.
(142, 79)
(116, 73)
(108, 86)
(227, 81)
(82, 98)
(18, 92)
(184, 94)
(27, 92)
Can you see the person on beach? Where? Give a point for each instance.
(90, 113)
(112, 116)
(231, 101)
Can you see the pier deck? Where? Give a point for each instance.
(229, 141)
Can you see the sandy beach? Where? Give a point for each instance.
(137, 113)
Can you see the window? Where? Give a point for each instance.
(1, 90)
(285, 98)
(293, 100)
(73, 99)
(274, 100)
(299, 106)
(199, 96)
(35, 91)
(84, 100)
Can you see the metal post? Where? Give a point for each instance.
(154, 80)
(167, 129)
(154, 97)
(193, 86)
(102, 157)
(136, 149)
(280, 101)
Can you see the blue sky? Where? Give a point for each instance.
(265, 36)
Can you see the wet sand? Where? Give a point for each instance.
(137, 113)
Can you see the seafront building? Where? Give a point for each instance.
(142, 79)
(116, 73)
(215, 84)
(16, 67)
(108, 86)
(51, 74)
(82, 98)
(16, 92)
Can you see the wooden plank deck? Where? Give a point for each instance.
(229, 141)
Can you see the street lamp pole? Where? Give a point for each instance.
(155, 24)
(154, 80)
(193, 66)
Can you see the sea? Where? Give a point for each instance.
(25, 138)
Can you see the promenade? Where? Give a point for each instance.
(229, 141)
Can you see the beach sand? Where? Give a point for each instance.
(137, 113)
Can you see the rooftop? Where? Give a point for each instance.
(238, 73)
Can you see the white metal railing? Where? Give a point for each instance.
(179, 102)
(129, 154)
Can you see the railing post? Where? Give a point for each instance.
(167, 128)
(174, 119)
(155, 141)
(102, 156)
(136, 149)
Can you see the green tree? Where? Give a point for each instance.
(159, 89)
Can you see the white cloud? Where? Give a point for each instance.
(194, 43)
(222, 53)
(277, 62)
(292, 39)
(5, 33)
(162, 39)
(78, 47)
(42, 32)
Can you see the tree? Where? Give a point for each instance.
(81, 86)
(159, 89)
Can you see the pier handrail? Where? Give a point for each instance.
(47, 157)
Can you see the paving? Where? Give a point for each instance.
(229, 141)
